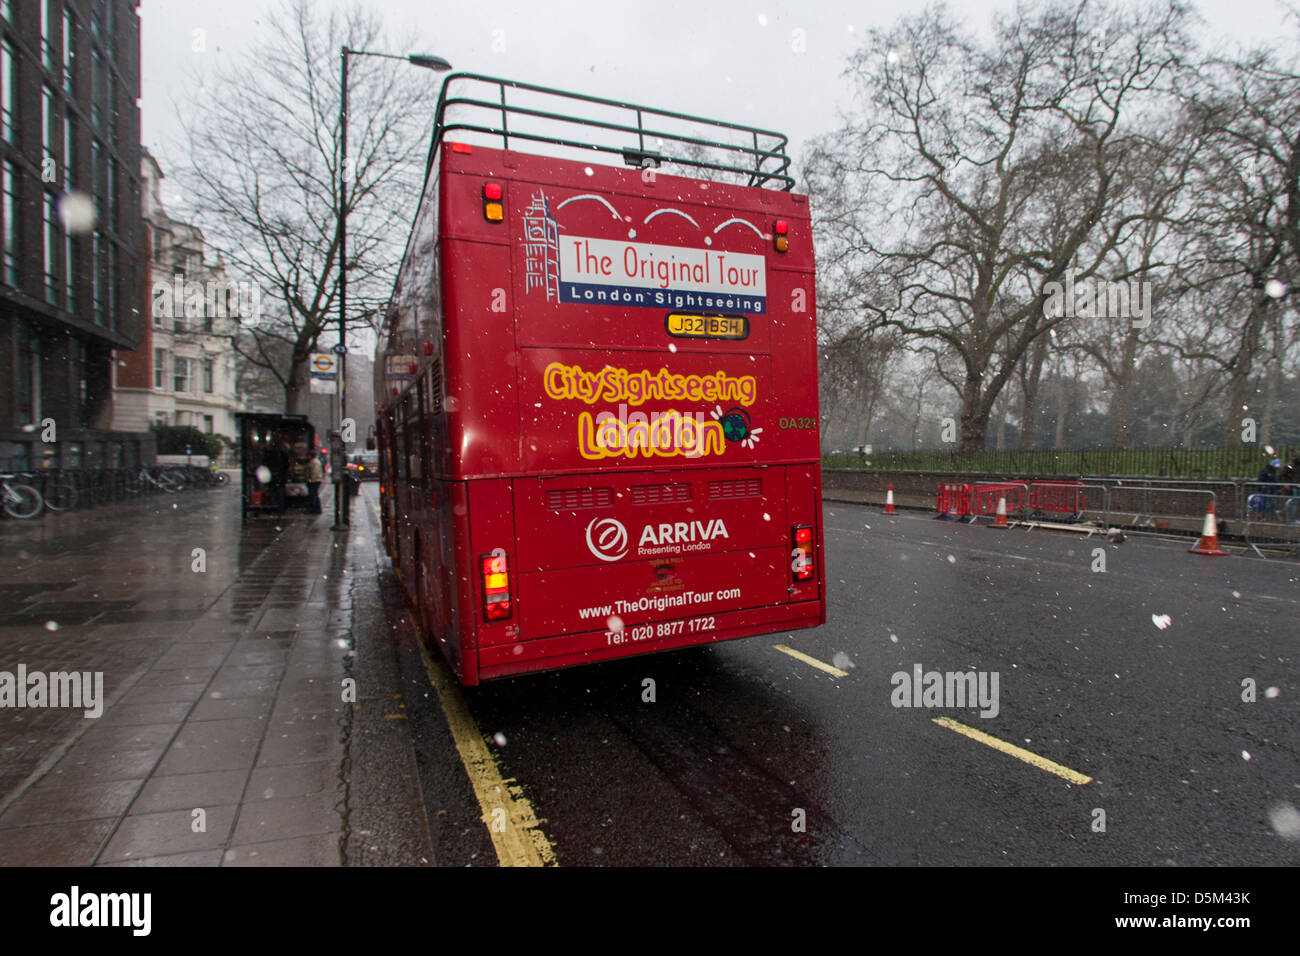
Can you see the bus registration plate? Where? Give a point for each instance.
(685, 326)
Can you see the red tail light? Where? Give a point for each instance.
(781, 235)
(493, 202)
(496, 586)
(802, 553)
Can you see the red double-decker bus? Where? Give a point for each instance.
(596, 385)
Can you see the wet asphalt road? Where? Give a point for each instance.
(742, 739)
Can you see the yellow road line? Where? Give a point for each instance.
(820, 665)
(1042, 763)
(516, 834)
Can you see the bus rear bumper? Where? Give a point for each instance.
(590, 647)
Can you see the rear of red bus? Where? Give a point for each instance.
(599, 433)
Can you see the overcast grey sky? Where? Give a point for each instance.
(724, 59)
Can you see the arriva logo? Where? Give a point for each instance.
(607, 539)
(682, 532)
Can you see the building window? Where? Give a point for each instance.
(111, 187)
(208, 369)
(97, 89)
(208, 424)
(159, 368)
(9, 224)
(49, 129)
(112, 285)
(52, 245)
(8, 89)
(181, 369)
(78, 354)
(69, 149)
(28, 399)
(70, 272)
(97, 185)
(97, 278)
(47, 47)
(69, 29)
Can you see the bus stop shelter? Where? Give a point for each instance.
(269, 447)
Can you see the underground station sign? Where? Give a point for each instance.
(324, 372)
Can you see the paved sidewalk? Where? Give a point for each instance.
(225, 738)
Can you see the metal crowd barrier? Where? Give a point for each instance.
(1187, 503)
(986, 495)
(1272, 520)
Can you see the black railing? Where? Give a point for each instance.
(765, 162)
(98, 487)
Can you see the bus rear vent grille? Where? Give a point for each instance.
(737, 488)
(566, 499)
(660, 494)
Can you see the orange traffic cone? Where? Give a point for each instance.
(1209, 543)
(889, 500)
(1000, 521)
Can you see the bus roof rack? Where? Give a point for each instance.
(647, 138)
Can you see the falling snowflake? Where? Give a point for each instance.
(1285, 820)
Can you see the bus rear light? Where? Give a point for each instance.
(461, 148)
(781, 235)
(494, 209)
(496, 586)
(802, 552)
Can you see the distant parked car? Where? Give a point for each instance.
(364, 466)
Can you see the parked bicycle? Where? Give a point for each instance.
(60, 493)
(161, 479)
(20, 500)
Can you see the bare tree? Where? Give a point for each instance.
(263, 173)
(1245, 226)
(974, 176)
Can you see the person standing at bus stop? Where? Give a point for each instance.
(315, 475)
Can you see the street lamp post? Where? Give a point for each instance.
(342, 504)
